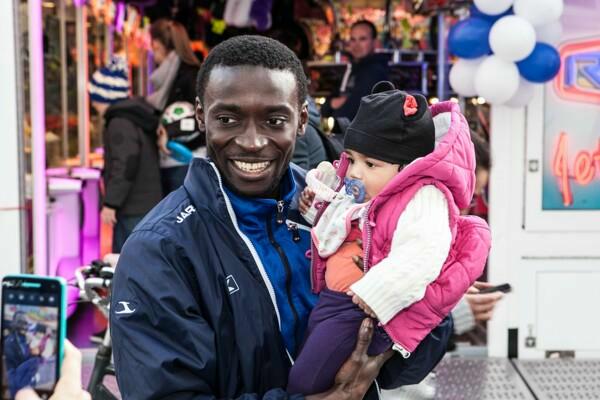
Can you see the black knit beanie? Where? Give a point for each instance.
(392, 126)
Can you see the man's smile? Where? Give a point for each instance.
(252, 170)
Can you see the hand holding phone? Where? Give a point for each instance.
(504, 288)
(33, 331)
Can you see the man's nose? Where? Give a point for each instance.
(251, 139)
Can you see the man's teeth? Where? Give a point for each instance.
(252, 167)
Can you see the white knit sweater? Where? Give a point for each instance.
(420, 246)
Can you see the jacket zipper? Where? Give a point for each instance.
(367, 245)
(280, 207)
(293, 227)
(253, 252)
(286, 264)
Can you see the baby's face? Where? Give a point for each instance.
(374, 174)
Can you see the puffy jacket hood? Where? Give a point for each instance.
(136, 110)
(452, 161)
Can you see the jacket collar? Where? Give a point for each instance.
(254, 210)
(207, 190)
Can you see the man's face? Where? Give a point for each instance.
(251, 117)
(361, 42)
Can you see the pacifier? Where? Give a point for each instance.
(356, 189)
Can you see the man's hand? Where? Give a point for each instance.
(482, 305)
(108, 215)
(358, 372)
(69, 384)
(360, 302)
(306, 200)
(162, 139)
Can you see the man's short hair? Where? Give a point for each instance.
(252, 50)
(368, 24)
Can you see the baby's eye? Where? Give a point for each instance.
(351, 161)
(369, 164)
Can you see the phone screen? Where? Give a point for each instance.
(30, 335)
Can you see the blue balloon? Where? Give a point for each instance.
(541, 65)
(469, 38)
(179, 152)
(476, 12)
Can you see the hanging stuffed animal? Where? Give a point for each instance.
(237, 13)
(260, 14)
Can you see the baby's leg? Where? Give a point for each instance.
(335, 321)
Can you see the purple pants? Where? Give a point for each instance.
(330, 339)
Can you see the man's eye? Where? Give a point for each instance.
(225, 120)
(276, 121)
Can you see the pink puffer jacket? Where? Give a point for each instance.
(451, 168)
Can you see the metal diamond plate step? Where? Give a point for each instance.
(562, 379)
(482, 379)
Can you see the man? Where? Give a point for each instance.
(212, 292)
(367, 70)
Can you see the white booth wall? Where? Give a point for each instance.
(547, 249)
(11, 201)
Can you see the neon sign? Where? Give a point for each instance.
(579, 75)
(584, 167)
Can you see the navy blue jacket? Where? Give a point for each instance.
(194, 313)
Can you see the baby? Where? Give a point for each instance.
(405, 174)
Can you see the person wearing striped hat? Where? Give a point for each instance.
(109, 84)
(131, 170)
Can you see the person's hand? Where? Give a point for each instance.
(360, 302)
(108, 215)
(358, 260)
(482, 305)
(162, 139)
(69, 384)
(358, 372)
(306, 199)
(337, 102)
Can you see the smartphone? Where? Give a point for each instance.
(33, 333)
(504, 288)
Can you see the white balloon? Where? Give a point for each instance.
(523, 95)
(493, 7)
(539, 12)
(550, 33)
(497, 80)
(462, 76)
(512, 38)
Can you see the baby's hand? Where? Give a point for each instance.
(363, 306)
(306, 200)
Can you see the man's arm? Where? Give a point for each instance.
(399, 371)
(163, 347)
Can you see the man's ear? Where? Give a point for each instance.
(200, 117)
(303, 121)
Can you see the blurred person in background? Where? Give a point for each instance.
(367, 70)
(173, 81)
(131, 173)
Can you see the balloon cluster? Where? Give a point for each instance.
(504, 48)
